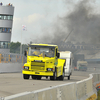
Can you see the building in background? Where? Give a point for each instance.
(6, 22)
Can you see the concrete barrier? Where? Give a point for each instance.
(10, 67)
(85, 88)
(60, 92)
(80, 90)
(20, 96)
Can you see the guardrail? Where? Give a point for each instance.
(80, 90)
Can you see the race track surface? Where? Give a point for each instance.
(13, 83)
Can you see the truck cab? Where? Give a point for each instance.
(42, 61)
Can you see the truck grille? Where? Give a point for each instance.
(37, 65)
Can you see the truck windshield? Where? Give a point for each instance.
(41, 51)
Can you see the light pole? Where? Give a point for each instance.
(21, 43)
(20, 48)
(24, 29)
(30, 41)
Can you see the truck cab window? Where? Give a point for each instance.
(41, 51)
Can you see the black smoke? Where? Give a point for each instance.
(83, 19)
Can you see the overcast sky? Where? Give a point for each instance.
(37, 15)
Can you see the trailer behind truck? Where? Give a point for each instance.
(68, 56)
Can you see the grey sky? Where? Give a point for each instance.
(38, 15)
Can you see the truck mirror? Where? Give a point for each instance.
(25, 53)
(58, 55)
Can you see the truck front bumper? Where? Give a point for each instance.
(38, 73)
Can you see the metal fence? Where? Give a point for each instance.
(12, 58)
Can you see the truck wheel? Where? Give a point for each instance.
(62, 76)
(51, 77)
(54, 76)
(69, 77)
(38, 77)
(26, 76)
(34, 77)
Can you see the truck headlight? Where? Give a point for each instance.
(49, 69)
(25, 67)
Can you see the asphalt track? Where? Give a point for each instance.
(13, 83)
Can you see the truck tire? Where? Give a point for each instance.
(33, 76)
(69, 77)
(38, 77)
(54, 76)
(25, 76)
(62, 76)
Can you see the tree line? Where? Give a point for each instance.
(15, 47)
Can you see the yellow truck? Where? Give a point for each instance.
(43, 61)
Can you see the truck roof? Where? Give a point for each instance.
(66, 54)
(52, 45)
(82, 62)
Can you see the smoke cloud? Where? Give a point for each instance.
(84, 21)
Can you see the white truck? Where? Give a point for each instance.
(68, 56)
